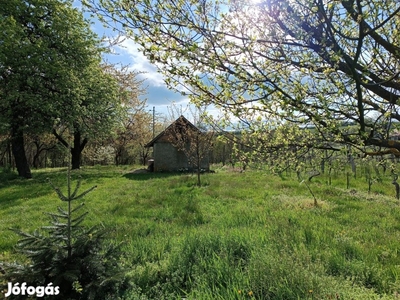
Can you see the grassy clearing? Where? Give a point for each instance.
(239, 236)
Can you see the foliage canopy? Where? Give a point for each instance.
(319, 63)
(51, 75)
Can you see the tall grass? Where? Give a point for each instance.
(240, 236)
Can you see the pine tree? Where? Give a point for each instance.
(69, 255)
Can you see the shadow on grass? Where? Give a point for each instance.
(7, 176)
(150, 175)
(15, 190)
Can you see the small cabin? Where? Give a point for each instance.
(167, 156)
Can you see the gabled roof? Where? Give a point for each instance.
(181, 120)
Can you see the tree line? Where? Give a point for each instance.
(55, 88)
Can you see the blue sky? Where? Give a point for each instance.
(127, 54)
(157, 94)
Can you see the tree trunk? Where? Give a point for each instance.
(144, 155)
(18, 150)
(75, 158)
(116, 158)
(35, 161)
(76, 151)
(9, 155)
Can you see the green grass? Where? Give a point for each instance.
(240, 236)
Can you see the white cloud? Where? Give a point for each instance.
(139, 62)
(166, 102)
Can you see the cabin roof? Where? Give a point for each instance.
(180, 120)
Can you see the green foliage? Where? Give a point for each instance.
(278, 65)
(77, 259)
(51, 75)
(46, 47)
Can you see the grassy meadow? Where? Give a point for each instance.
(246, 235)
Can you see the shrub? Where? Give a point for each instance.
(76, 259)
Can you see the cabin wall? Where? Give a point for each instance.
(168, 158)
